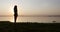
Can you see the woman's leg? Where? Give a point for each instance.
(15, 18)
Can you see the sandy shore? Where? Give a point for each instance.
(6, 26)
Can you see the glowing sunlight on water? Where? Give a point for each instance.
(32, 19)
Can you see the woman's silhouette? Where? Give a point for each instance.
(15, 13)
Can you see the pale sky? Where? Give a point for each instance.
(30, 7)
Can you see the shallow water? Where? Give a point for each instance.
(32, 19)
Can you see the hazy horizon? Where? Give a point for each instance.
(30, 7)
(45, 11)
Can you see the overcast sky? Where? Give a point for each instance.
(30, 7)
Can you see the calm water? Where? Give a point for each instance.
(32, 19)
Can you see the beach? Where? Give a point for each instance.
(6, 26)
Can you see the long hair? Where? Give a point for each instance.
(15, 9)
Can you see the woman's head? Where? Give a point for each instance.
(15, 6)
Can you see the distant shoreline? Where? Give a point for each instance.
(31, 15)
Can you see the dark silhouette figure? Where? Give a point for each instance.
(15, 13)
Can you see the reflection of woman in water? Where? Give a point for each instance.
(15, 13)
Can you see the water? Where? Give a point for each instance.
(32, 19)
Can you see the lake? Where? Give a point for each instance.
(32, 19)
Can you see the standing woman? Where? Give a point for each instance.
(15, 13)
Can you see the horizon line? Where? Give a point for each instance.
(31, 15)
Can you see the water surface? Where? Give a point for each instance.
(32, 19)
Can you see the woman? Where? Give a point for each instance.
(15, 13)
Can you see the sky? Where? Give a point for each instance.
(30, 7)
